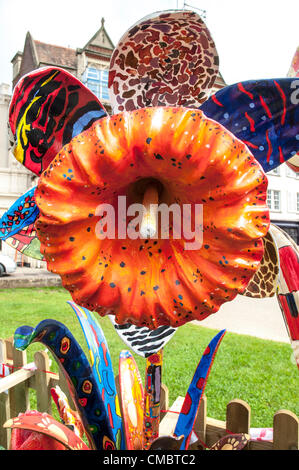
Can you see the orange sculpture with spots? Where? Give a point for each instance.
(187, 159)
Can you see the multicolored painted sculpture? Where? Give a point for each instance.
(288, 286)
(262, 114)
(228, 442)
(43, 433)
(293, 163)
(21, 214)
(148, 344)
(49, 108)
(195, 392)
(278, 275)
(140, 416)
(81, 380)
(266, 132)
(102, 368)
(166, 59)
(170, 138)
(143, 341)
(17, 226)
(232, 442)
(68, 417)
(265, 281)
(131, 396)
(151, 291)
(152, 393)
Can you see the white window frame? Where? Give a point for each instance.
(275, 171)
(290, 173)
(97, 82)
(274, 195)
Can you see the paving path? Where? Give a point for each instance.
(29, 277)
(254, 317)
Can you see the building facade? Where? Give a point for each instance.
(283, 199)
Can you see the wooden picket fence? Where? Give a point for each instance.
(14, 399)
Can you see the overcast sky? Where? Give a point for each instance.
(254, 38)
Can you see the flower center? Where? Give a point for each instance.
(149, 191)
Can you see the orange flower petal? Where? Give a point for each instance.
(154, 282)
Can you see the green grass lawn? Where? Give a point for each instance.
(260, 372)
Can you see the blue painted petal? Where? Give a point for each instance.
(195, 391)
(20, 215)
(262, 113)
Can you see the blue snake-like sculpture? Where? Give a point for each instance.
(82, 383)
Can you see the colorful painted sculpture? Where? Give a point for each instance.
(40, 431)
(228, 442)
(278, 275)
(169, 143)
(49, 108)
(166, 59)
(195, 392)
(148, 344)
(165, 284)
(293, 163)
(17, 225)
(21, 214)
(152, 393)
(68, 417)
(262, 114)
(232, 442)
(89, 386)
(265, 281)
(288, 286)
(102, 369)
(131, 396)
(82, 383)
(267, 133)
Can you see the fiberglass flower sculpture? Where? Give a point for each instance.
(167, 144)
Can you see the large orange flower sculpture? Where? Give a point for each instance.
(155, 281)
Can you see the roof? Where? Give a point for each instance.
(55, 55)
(100, 39)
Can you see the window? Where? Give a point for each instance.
(275, 171)
(97, 82)
(291, 174)
(273, 199)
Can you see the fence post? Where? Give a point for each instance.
(164, 400)
(8, 348)
(63, 384)
(19, 394)
(4, 404)
(285, 431)
(201, 420)
(238, 417)
(42, 380)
